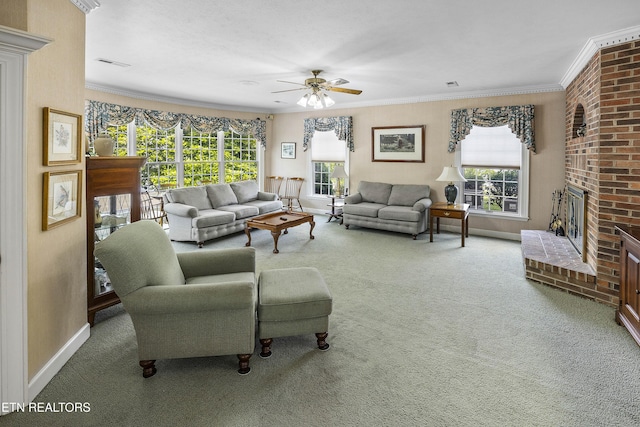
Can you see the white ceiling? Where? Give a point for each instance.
(229, 55)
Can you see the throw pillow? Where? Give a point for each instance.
(374, 192)
(221, 195)
(245, 191)
(192, 196)
(407, 194)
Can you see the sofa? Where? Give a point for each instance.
(402, 208)
(198, 214)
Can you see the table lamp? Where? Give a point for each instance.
(451, 174)
(338, 173)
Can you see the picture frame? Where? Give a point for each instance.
(398, 144)
(288, 150)
(62, 137)
(61, 198)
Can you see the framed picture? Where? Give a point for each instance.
(288, 150)
(62, 141)
(398, 144)
(61, 198)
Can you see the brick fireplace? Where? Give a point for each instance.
(602, 158)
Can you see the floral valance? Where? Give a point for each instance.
(98, 115)
(518, 117)
(342, 126)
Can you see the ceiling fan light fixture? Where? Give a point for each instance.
(314, 101)
(304, 100)
(327, 101)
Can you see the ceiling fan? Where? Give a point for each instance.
(317, 98)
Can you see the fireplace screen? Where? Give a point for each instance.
(577, 219)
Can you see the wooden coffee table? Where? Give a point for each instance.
(276, 222)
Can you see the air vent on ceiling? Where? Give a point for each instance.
(110, 62)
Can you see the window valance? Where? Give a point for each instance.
(98, 115)
(342, 126)
(519, 118)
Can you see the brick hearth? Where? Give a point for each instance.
(553, 261)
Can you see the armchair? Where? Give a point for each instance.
(192, 304)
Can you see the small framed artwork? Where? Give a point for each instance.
(61, 198)
(288, 150)
(62, 137)
(398, 144)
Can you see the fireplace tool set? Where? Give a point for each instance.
(555, 224)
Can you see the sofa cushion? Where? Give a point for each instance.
(375, 192)
(241, 211)
(265, 206)
(407, 194)
(221, 195)
(399, 213)
(245, 191)
(363, 209)
(212, 217)
(192, 196)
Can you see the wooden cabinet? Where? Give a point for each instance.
(628, 311)
(113, 200)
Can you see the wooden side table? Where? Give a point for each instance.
(336, 205)
(444, 210)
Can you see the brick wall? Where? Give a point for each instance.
(606, 160)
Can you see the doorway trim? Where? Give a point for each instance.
(15, 46)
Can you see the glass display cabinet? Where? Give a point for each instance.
(113, 201)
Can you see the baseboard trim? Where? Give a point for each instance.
(480, 232)
(53, 366)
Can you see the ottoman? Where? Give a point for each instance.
(292, 301)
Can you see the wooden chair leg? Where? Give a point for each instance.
(148, 368)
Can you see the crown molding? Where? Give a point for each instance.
(86, 5)
(21, 41)
(593, 45)
(523, 90)
(170, 100)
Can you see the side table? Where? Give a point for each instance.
(336, 208)
(444, 210)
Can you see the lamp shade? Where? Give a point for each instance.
(451, 174)
(338, 172)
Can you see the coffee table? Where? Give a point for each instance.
(276, 222)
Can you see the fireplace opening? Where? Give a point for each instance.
(577, 219)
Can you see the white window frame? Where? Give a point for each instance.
(311, 177)
(523, 187)
(131, 149)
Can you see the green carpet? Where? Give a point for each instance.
(422, 334)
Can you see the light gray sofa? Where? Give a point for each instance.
(403, 208)
(198, 214)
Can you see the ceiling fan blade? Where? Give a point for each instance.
(345, 90)
(290, 90)
(293, 83)
(337, 82)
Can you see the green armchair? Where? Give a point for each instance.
(192, 304)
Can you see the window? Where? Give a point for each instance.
(240, 157)
(159, 147)
(187, 157)
(327, 151)
(495, 164)
(200, 157)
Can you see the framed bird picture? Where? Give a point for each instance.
(62, 137)
(61, 201)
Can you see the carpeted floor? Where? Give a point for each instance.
(422, 334)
